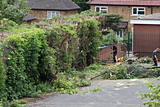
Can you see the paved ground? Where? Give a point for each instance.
(114, 93)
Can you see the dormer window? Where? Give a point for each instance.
(102, 9)
(136, 11)
(51, 14)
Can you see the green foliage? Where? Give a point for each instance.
(2, 78)
(29, 62)
(69, 84)
(39, 56)
(31, 55)
(91, 13)
(88, 33)
(145, 60)
(110, 38)
(17, 103)
(14, 10)
(153, 95)
(109, 21)
(6, 24)
(129, 72)
(1, 105)
(45, 87)
(62, 39)
(82, 4)
(93, 67)
(94, 90)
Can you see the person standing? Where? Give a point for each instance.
(114, 53)
(154, 57)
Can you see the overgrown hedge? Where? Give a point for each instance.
(28, 62)
(37, 53)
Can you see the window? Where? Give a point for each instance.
(138, 11)
(120, 34)
(51, 14)
(102, 9)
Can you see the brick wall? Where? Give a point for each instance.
(106, 52)
(126, 11)
(39, 14)
(146, 39)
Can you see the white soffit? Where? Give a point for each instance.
(143, 21)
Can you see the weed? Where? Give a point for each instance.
(94, 90)
(153, 95)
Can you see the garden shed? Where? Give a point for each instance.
(146, 34)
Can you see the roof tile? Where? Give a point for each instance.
(52, 4)
(126, 2)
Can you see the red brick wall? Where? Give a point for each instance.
(106, 53)
(126, 11)
(146, 39)
(40, 14)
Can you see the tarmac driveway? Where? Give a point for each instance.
(113, 93)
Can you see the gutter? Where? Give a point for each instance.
(145, 21)
(123, 5)
(55, 9)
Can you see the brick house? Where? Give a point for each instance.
(134, 10)
(146, 34)
(130, 9)
(41, 9)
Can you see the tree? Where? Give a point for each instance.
(82, 4)
(14, 10)
(110, 38)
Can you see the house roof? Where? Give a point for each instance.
(151, 16)
(52, 5)
(123, 25)
(29, 17)
(125, 2)
(153, 19)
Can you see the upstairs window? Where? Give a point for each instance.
(102, 9)
(51, 14)
(136, 11)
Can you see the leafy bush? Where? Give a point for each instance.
(2, 78)
(29, 62)
(6, 24)
(16, 103)
(69, 85)
(93, 67)
(153, 95)
(94, 90)
(110, 38)
(129, 71)
(145, 60)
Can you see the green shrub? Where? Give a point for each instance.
(16, 103)
(129, 71)
(145, 60)
(69, 84)
(30, 62)
(153, 95)
(93, 67)
(2, 78)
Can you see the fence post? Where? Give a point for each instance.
(128, 44)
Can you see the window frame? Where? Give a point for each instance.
(51, 14)
(137, 11)
(100, 8)
(120, 34)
